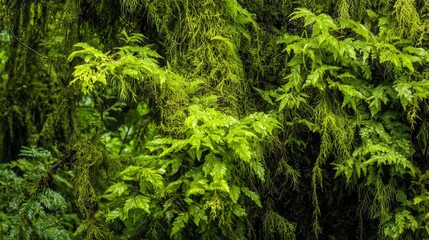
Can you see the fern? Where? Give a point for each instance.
(330, 79)
(32, 207)
(118, 68)
(169, 140)
(209, 192)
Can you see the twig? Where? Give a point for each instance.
(23, 44)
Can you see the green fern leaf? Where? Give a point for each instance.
(138, 202)
(219, 170)
(197, 214)
(179, 223)
(238, 210)
(221, 185)
(117, 189)
(252, 195)
(112, 215)
(234, 193)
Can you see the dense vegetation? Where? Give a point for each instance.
(214, 119)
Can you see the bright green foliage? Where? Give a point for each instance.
(325, 69)
(121, 68)
(214, 119)
(400, 222)
(194, 179)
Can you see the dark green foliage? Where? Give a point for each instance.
(214, 119)
(33, 203)
(338, 78)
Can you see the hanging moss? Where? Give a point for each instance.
(214, 119)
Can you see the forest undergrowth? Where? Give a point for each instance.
(214, 119)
